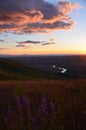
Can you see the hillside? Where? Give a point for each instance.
(10, 69)
(75, 64)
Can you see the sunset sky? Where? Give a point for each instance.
(42, 27)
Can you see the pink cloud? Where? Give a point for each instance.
(33, 16)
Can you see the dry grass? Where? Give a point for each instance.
(69, 97)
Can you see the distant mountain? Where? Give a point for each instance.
(10, 69)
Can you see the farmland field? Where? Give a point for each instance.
(43, 104)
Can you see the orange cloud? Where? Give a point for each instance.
(35, 16)
(67, 7)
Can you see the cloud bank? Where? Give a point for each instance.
(4, 48)
(35, 16)
(30, 42)
(48, 43)
(25, 43)
(2, 40)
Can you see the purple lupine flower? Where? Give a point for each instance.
(34, 122)
(10, 117)
(19, 110)
(52, 113)
(43, 112)
(43, 107)
(27, 108)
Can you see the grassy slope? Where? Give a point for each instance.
(10, 69)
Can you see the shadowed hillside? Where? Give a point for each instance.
(10, 69)
(75, 64)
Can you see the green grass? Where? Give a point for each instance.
(69, 97)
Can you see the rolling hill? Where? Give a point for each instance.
(75, 64)
(10, 69)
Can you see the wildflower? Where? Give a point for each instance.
(52, 113)
(34, 122)
(10, 118)
(43, 113)
(19, 110)
(27, 108)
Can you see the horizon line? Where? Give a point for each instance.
(8, 55)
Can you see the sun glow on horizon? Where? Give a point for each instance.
(37, 51)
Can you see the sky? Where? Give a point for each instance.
(42, 27)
